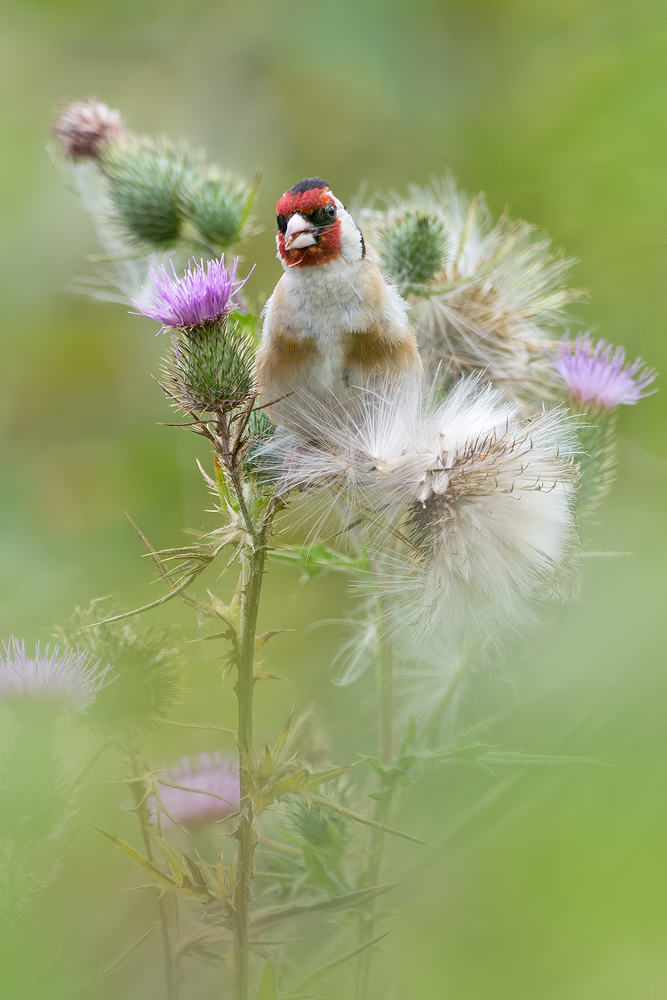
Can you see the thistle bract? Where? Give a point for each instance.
(64, 681)
(147, 680)
(217, 206)
(210, 370)
(597, 376)
(208, 792)
(145, 178)
(203, 295)
(412, 248)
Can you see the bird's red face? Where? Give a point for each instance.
(309, 230)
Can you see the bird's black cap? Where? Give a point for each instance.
(309, 184)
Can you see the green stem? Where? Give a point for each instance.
(385, 792)
(140, 791)
(252, 573)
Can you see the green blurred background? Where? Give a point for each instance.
(549, 884)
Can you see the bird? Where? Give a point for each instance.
(333, 325)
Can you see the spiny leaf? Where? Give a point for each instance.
(326, 803)
(82, 984)
(187, 888)
(326, 969)
(173, 858)
(267, 918)
(164, 880)
(267, 989)
(316, 870)
(322, 777)
(316, 559)
(499, 758)
(260, 640)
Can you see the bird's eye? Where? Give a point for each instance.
(323, 216)
(282, 223)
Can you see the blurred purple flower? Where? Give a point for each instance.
(208, 792)
(66, 681)
(86, 127)
(596, 374)
(201, 296)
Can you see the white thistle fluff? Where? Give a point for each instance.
(466, 507)
(498, 301)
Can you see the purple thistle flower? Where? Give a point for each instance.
(208, 792)
(201, 296)
(66, 681)
(596, 375)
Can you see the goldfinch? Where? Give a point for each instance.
(333, 324)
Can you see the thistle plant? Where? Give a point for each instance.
(453, 506)
(598, 381)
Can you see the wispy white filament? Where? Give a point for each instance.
(466, 507)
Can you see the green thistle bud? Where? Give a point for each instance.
(412, 248)
(217, 206)
(210, 368)
(146, 180)
(147, 677)
(35, 797)
(598, 459)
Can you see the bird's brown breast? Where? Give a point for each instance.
(370, 350)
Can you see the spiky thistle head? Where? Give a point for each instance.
(204, 295)
(475, 501)
(218, 205)
(87, 128)
(212, 372)
(597, 376)
(67, 680)
(146, 669)
(196, 793)
(412, 244)
(598, 380)
(496, 301)
(145, 178)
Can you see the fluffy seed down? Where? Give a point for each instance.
(495, 304)
(467, 507)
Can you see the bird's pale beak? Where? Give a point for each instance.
(300, 233)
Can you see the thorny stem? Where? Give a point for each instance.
(252, 572)
(139, 791)
(385, 792)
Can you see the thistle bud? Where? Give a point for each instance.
(211, 370)
(217, 206)
(146, 178)
(412, 247)
(146, 672)
(87, 128)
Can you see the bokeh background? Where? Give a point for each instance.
(548, 883)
